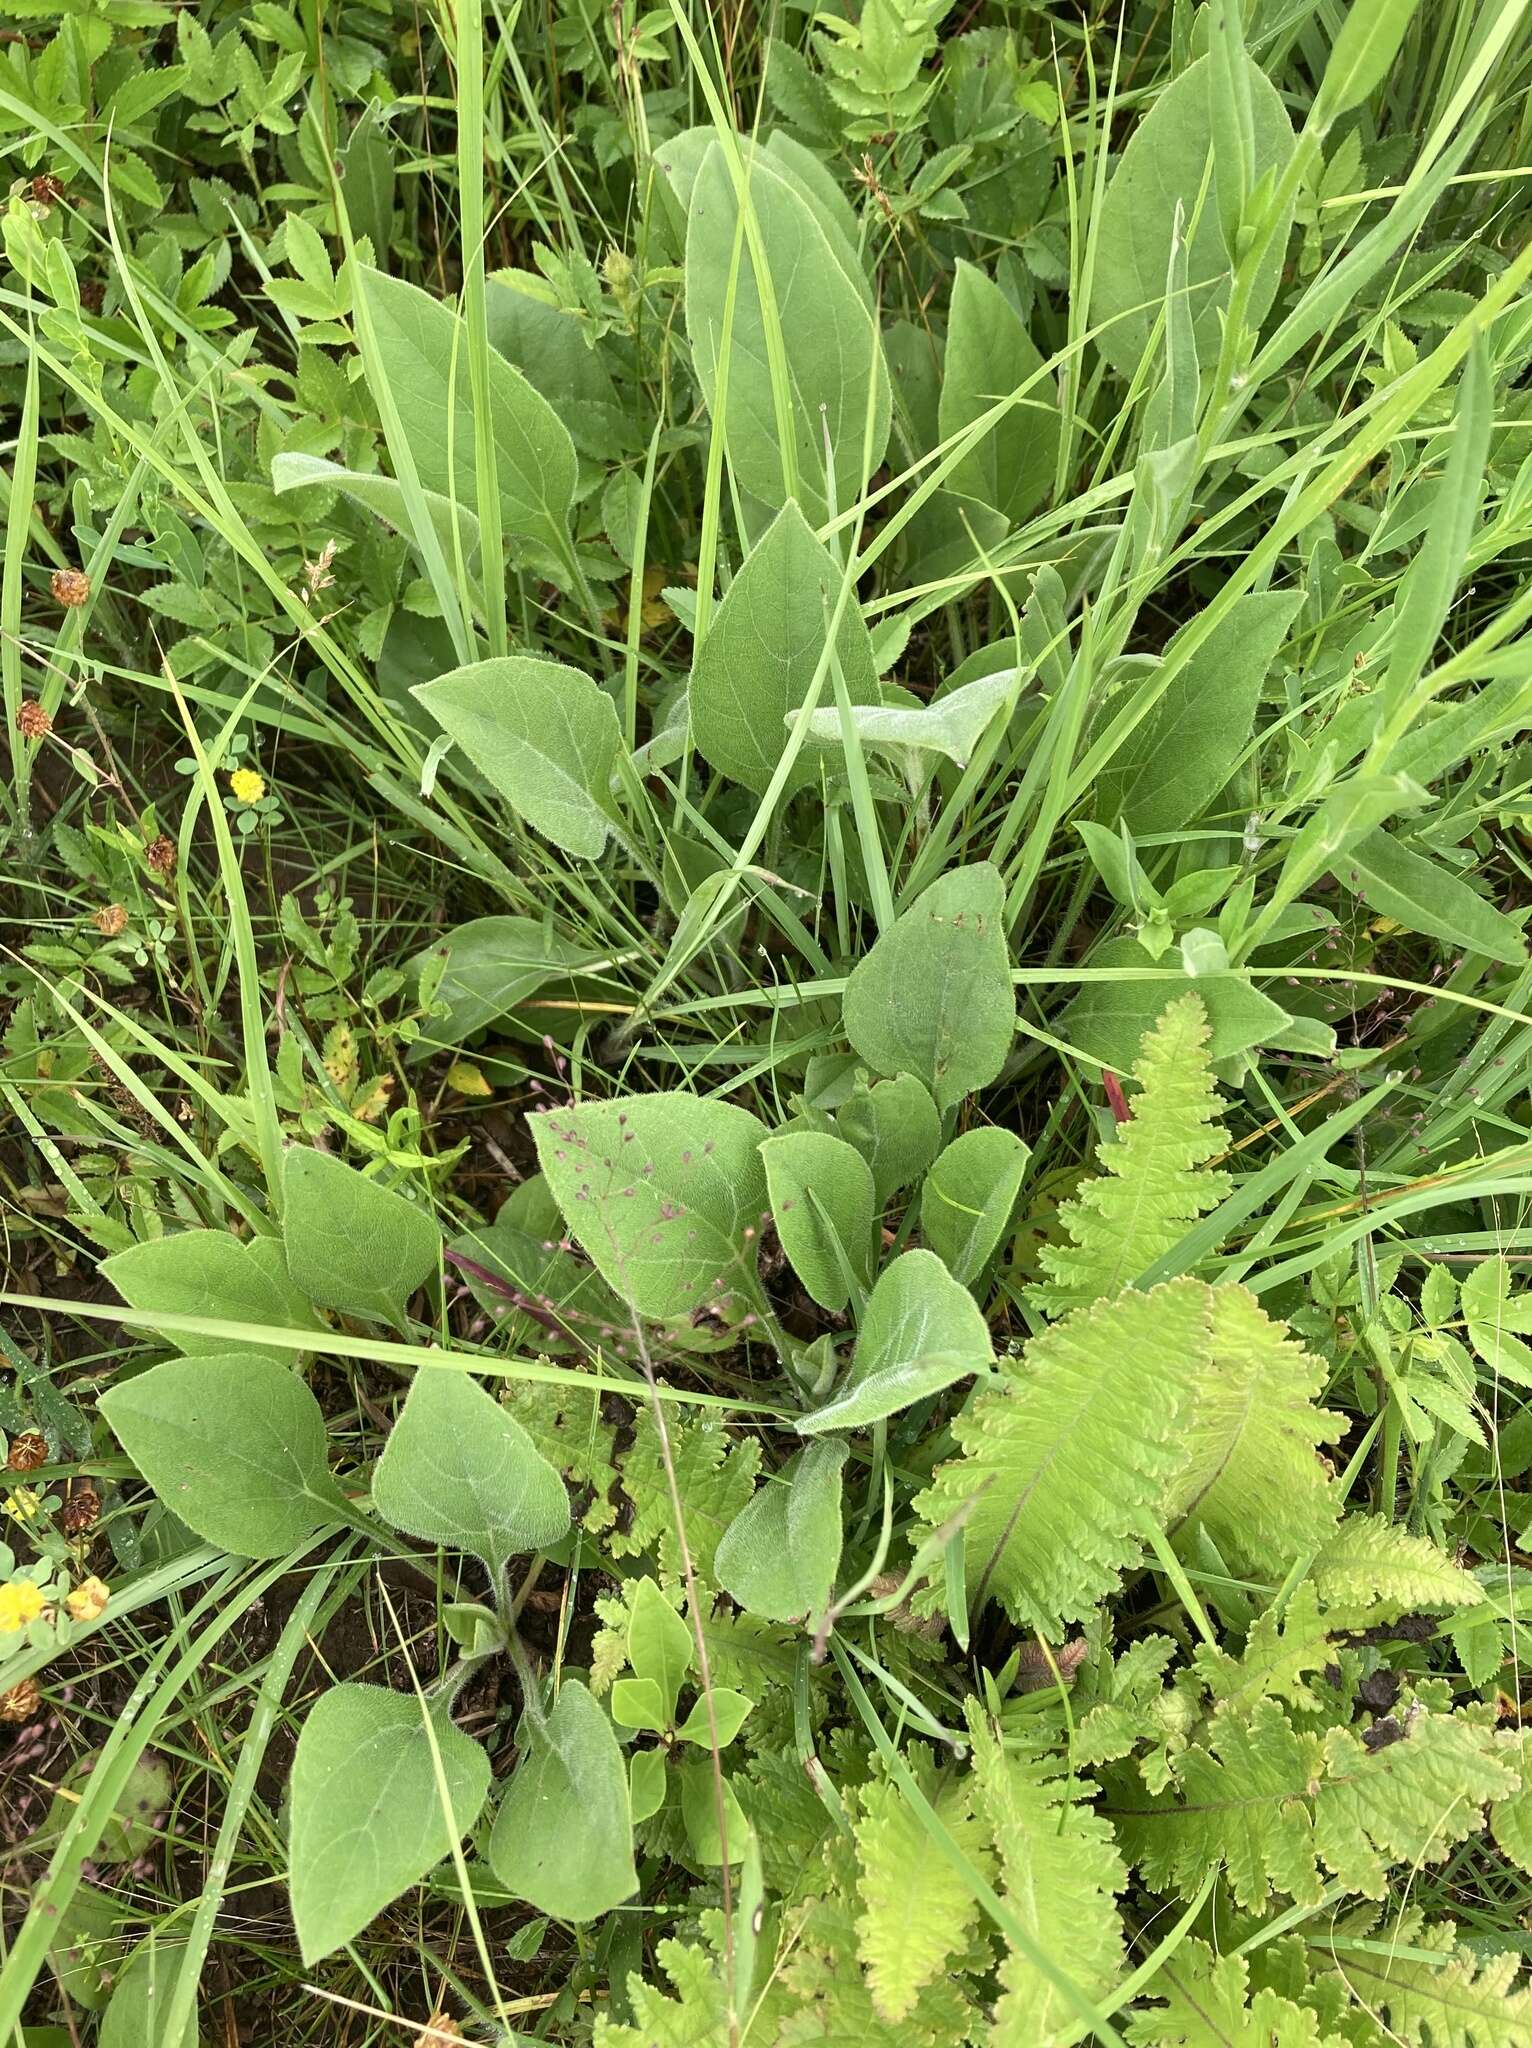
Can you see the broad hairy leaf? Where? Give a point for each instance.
(234, 1445)
(1424, 896)
(822, 1202)
(660, 1647)
(950, 725)
(368, 1817)
(837, 384)
(1108, 1018)
(1177, 759)
(352, 1245)
(493, 964)
(968, 1197)
(779, 1557)
(142, 1998)
(423, 352)
(1164, 165)
(895, 1127)
(456, 526)
(563, 1838)
(665, 1192)
(921, 1332)
(934, 997)
(460, 1470)
(989, 354)
(212, 1273)
(543, 734)
(755, 668)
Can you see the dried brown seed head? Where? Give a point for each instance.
(161, 855)
(82, 1510)
(70, 587)
(28, 1451)
(32, 721)
(21, 1702)
(111, 919)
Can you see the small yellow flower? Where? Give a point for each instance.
(88, 1601)
(23, 1504)
(247, 785)
(20, 1602)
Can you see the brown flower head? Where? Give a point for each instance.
(21, 1702)
(82, 1510)
(47, 190)
(28, 1451)
(32, 721)
(111, 919)
(70, 587)
(92, 294)
(161, 855)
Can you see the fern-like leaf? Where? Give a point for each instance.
(1062, 1878)
(1185, 1406)
(1068, 1455)
(916, 1910)
(1280, 1653)
(1252, 1478)
(1467, 2000)
(1155, 1181)
(1270, 1804)
(1207, 2003)
(1372, 1571)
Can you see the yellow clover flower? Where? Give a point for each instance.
(88, 1601)
(247, 785)
(20, 1602)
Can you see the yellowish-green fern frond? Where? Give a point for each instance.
(916, 1910)
(1155, 1181)
(1181, 1408)
(1062, 1876)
